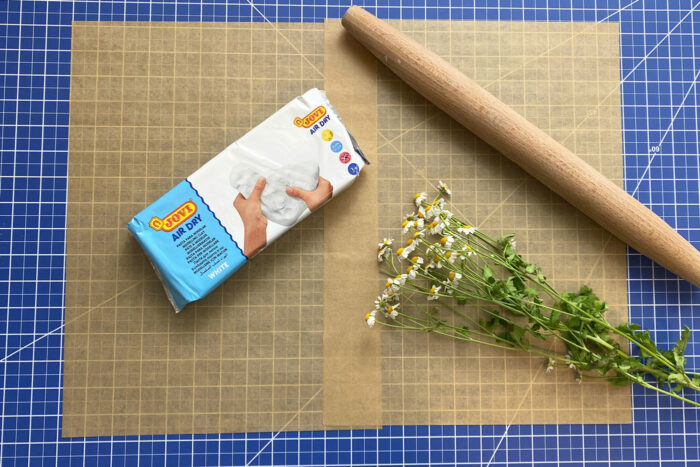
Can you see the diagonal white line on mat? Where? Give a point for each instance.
(277, 30)
(666, 36)
(668, 130)
(301, 409)
(15, 352)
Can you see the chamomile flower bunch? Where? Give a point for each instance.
(446, 263)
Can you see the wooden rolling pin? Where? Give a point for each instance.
(525, 144)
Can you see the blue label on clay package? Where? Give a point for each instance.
(193, 253)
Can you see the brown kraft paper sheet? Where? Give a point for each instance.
(131, 366)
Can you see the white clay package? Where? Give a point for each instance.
(210, 224)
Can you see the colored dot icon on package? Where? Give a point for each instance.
(344, 157)
(353, 169)
(327, 135)
(336, 146)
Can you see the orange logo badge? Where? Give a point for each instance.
(314, 116)
(175, 218)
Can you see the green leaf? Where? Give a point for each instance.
(620, 381)
(488, 272)
(517, 333)
(554, 317)
(491, 324)
(530, 268)
(683, 342)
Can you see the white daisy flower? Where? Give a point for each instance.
(513, 243)
(419, 224)
(393, 311)
(434, 292)
(409, 222)
(383, 253)
(444, 189)
(433, 210)
(404, 252)
(451, 257)
(466, 230)
(417, 260)
(436, 227)
(470, 251)
(369, 317)
(411, 272)
(550, 365)
(454, 277)
(571, 365)
(418, 198)
(381, 302)
(384, 243)
(400, 279)
(390, 286)
(447, 241)
(448, 289)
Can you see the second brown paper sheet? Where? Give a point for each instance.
(563, 77)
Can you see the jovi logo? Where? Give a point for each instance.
(313, 117)
(175, 218)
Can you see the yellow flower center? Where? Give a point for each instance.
(416, 235)
(433, 224)
(436, 259)
(367, 317)
(409, 241)
(390, 294)
(409, 269)
(469, 248)
(448, 254)
(451, 276)
(467, 226)
(398, 276)
(387, 285)
(389, 308)
(432, 290)
(404, 223)
(416, 196)
(414, 259)
(443, 240)
(420, 214)
(399, 251)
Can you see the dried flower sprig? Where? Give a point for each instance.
(452, 264)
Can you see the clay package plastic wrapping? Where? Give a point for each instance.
(211, 223)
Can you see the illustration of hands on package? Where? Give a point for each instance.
(211, 223)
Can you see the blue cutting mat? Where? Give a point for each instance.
(660, 64)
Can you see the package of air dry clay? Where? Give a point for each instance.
(210, 224)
